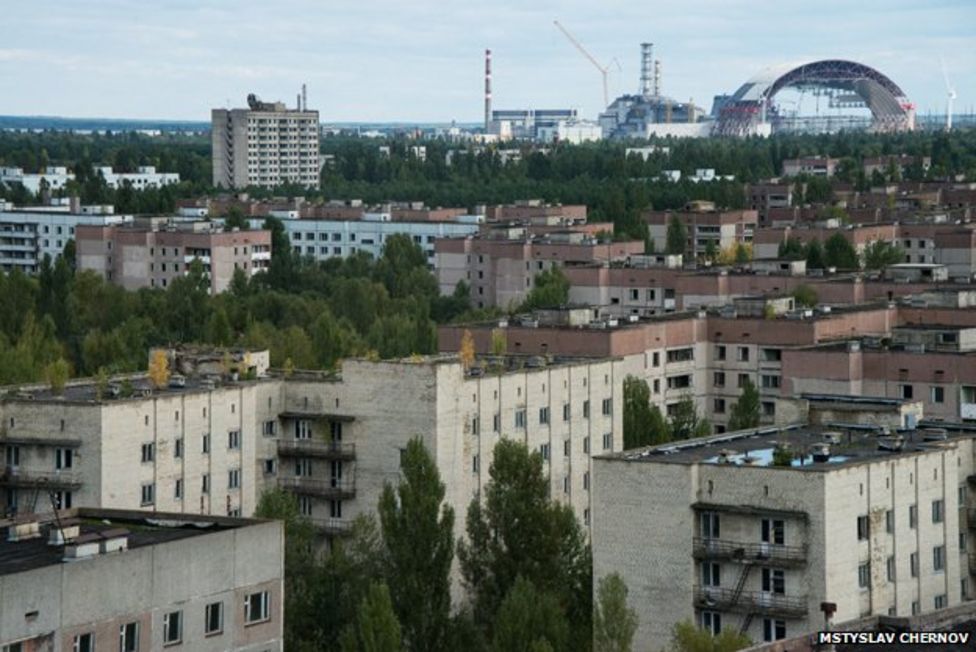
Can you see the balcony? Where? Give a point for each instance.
(17, 477)
(333, 450)
(757, 602)
(745, 552)
(331, 489)
(332, 527)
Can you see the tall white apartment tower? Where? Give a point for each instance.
(266, 144)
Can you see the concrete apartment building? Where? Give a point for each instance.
(709, 354)
(501, 270)
(56, 178)
(144, 177)
(210, 444)
(766, 198)
(265, 145)
(874, 518)
(722, 229)
(814, 166)
(98, 579)
(27, 235)
(151, 252)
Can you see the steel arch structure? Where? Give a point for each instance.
(750, 106)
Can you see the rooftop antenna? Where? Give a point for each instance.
(304, 99)
(951, 94)
(604, 70)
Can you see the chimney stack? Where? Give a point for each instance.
(487, 90)
(647, 64)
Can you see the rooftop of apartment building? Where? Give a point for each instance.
(72, 535)
(813, 448)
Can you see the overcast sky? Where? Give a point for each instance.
(422, 60)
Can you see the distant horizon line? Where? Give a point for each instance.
(178, 121)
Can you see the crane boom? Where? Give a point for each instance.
(579, 46)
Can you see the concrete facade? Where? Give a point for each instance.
(757, 548)
(146, 584)
(26, 236)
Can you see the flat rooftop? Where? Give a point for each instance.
(848, 444)
(140, 528)
(86, 391)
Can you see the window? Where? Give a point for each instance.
(938, 558)
(475, 463)
(303, 429)
(544, 450)
(213, 618)
(718, 379)
(768, 408)
(172, 627)
(681, 355)
(565, 411)
(566, 448)
(718, 406)
(941, 601)
(711, 574)
(656, 359)
(129, 637)
(13, 453)
(520, 418)
(270, 466)
(475, 426)
(586, 409)
(709, 525)
(773, 531)
(770, 382)
(178, 447)
(938, 509)
(206, 444)
(496, 422)
(743, 354)
(608, 441)
(743, 378)
(63, 458)
(890, 568)
(913, 564)
(773, 630)
(305, 505)
(912, 516)
(916, 608)
(148, 493)
(862, 528)
(890, 521)
(62, 499)
(938, 394)
(720, 352)
(607, 407)
(586, 480)
(84, 643)
(303, 467)
(256, 608)
(586, 445)
(234, 439)
(864, 575)
(773, 581)
(270, 428)
(907, 391)
(205, 485)
(178, 489)
(712, 622)
(148, 452)
(544, 415)
(771, 355)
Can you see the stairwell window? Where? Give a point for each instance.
(148, 494)
(520, 418)
(862, 528)
(938, 559)
(129, 637)
(172, 628)
(148, 452)
(84, 643)
(938, 510)
(257, 608)
(213, 618)
(234, 439)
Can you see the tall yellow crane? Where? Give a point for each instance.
(604, 70)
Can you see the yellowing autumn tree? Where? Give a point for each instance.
(159, 369)
(466, 352)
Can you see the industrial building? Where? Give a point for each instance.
(88, 579)
(753, 531)
(265, 145)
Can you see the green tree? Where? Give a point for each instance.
(235, 219)
(791, 249)
(219, 330)
(550, 290)
(614, 623)
(644, 424)
(804, 295)
(677, 237)
(688, 638)
(57, 374)
(529, 620)
(685, 422)
(879, 254)
(516, 531)
(376, 628)
(815, 255)
(745, 411)
(419, 540)
(742, 254)
(840, 253)
(711, 251)
(300, 563)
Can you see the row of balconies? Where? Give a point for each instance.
(335, 450)
(21, 477)
(333, 488)
(758, 602)
(749, 551)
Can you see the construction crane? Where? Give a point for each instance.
(604, 70)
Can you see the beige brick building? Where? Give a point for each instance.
(97, 579)
(711, 531)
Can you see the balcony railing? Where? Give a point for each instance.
(18, 477)
(332, 526)
(748, 551)
(333, 489)
(336, 450)
(759, 602)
